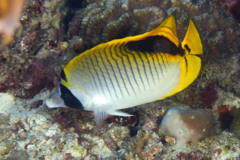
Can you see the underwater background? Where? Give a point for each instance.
(39, 37)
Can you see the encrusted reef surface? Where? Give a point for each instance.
(29, 130)
(59, 30)
(35, 56)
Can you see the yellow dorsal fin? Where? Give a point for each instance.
(192, 40)
(167, 29)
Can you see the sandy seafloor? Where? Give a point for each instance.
(32, 134)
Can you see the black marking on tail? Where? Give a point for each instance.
(186, 65)
(187, 48)
(155, 44)
(63, 75)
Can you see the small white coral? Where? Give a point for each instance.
(187, 125)
(10, 11)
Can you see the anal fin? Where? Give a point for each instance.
(119, 113)
(101, 113)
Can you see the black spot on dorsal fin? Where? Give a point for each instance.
(63, 76)
(155, 44)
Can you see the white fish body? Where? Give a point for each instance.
(130, 71)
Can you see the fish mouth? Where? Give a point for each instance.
(55, 100)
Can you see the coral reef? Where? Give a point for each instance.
(146, 147)
(224, 75)
(236, 122)
(102, 21)
(41, 133)
(33, 60)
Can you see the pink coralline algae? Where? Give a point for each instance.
(38, 76)
(208, 96)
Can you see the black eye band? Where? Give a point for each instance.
(63, 75)
(69, 99)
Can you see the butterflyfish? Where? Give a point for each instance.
(127, 72)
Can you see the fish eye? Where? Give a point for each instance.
(69, 99)
(66, 97)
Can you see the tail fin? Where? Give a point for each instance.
(192, 42)
(191, 64)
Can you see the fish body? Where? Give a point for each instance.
(127, 72)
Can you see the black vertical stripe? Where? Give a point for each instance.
(139, 54)
(120, 70)
(139, 73)
(127, 75)
(159, 63)
(127, 55)
(92, 76)
(154, 65)
(102, 74)
(98, 76)
(162, 60)
(104, 52)
(110, 53)
(149, 67)
(126, 69)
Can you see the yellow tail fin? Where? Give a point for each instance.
(192, 42)
(190, 65)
